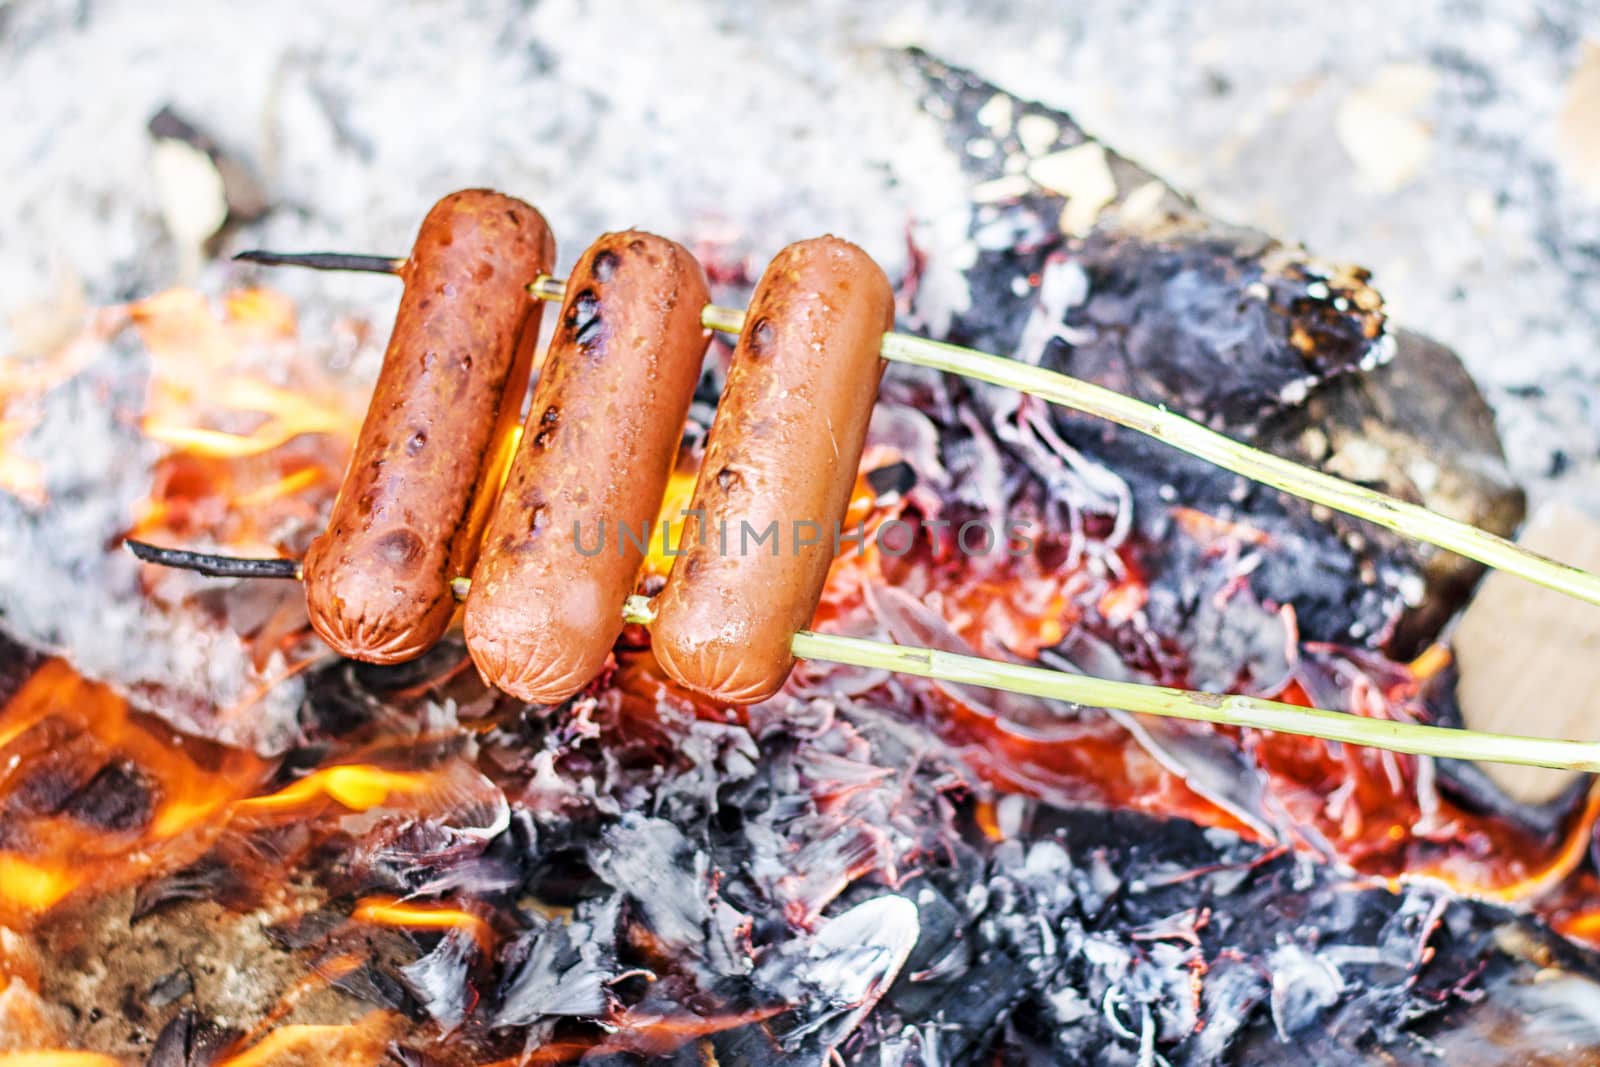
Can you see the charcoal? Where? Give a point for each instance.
(307, 929)
(372, 984)
(405, 1056)
(189, 1041)
(1247, 335)
(840, 974)
(894, 480)
(208, 879)
(1422, 432)
(662, 875)
(17, 664)
(117, 798)
(388, 678)
(172, 1044)
(1100, 937)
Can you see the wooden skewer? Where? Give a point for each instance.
(1252, 712)
(1408, 520)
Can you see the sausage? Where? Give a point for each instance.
(600, 442)
(438, 433)
(783, 449)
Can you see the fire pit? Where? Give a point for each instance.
(222, 845)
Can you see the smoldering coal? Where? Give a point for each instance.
(1081, 936)
(1247, 334)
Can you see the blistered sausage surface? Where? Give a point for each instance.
(599, 444)
(783, 451)
(437, 434)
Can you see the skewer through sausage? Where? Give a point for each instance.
(437, 436)
(564, 550)
(781, 457)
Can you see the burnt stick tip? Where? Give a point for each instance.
(324, 261)
(212, 565)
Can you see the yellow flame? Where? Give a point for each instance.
(30, 886)
(1584, 926)
(357, 786)
(288, 485)
(290, 415)
(50, 1057)
(261, 310)
(680, 491)
(196, 371)
(388, 911)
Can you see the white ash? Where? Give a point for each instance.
(65, 588)
(745, 126)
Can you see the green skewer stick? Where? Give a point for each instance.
(1408, 520)
(1253, 712)
(1225, 710)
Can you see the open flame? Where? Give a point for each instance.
(254, 437)
(360, 1042)
(423, 916)
(250, 460)
(62, 730)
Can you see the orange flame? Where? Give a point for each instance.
(52, 853)
(57, 1058)
(259, 433)
(1540, 880)
(359, 1042)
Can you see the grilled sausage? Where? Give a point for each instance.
(783, 452)
(600, 442)
(438, 433)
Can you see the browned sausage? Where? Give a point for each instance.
(783, 451)
(438, 433)
(600, 442)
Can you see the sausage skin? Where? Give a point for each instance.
(600, 442)
(783, 449)
(438, 433)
